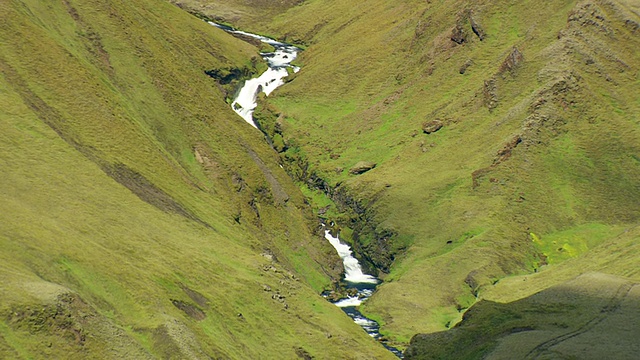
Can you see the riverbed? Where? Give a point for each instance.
(364, 285)
(279, 62)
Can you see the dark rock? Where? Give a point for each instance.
(465, 66)
(225, 76)
(362, 167)
(432, 126)
(335, 296)
(477, 29)
(459, 35)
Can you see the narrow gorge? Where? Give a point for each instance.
(279, 61)
(358, 285)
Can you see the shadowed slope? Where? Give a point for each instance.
(591, 317)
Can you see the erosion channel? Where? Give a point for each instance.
(279, 61)
(361, 286)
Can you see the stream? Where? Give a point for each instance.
(278, 61)
(244, 105)
(364, 284)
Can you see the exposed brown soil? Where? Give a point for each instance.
(191, 310)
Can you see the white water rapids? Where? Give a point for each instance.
(352, 270)
(245, 101)
(364, 284)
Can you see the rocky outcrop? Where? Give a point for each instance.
(465, 25)
(432, 126)
(476, 28)
(512, 62)
(502, 155)
(490, 93)
(189, 309)
(362, 167)
(227, 75)
(459, 35)
(465, 66)
(229, 78)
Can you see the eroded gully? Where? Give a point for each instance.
(361, 285)
(278, 61)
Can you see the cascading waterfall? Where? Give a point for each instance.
(364, 284)
(352, 270)
(279, 61)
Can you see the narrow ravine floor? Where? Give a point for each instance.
(244, 104)
(279, 61)
(363, 284)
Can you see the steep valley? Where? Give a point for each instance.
(482, 158)
(141, 217)
(466, 146)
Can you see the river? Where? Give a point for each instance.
(364, 284)
(279, 61)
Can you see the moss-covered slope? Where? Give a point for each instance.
(139, 216)
(505, 138)
(594, 316)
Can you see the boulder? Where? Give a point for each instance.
(432, 126)
(362, 167)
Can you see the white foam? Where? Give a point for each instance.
(245, 102)
(352, 270)
(349, 302)
(365, 323)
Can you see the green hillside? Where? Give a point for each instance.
(240, 13)
(141, 217)
(482, 157)
(505, 139)
(591, 317)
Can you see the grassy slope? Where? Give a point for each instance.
(239, 13)
(136, 205)
(375, 71)
(590, 317)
